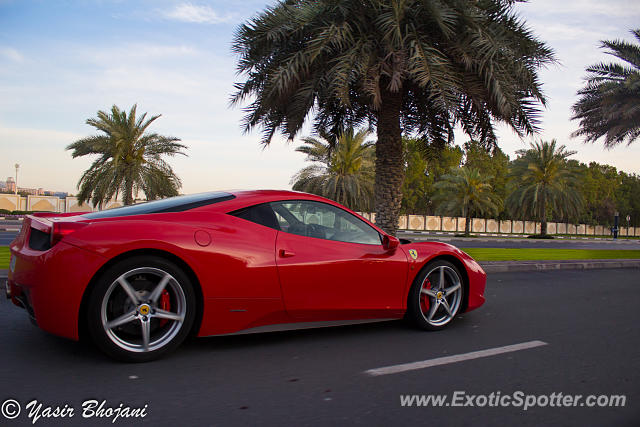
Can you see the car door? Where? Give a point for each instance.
(332, 265)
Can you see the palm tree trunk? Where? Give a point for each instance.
(467, 223)
(389, 162)
(127, 197)
(543, 220)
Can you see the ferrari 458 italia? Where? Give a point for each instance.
(137, 280)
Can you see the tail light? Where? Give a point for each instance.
(46, 229)
(61, 229)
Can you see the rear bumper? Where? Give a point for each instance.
(50, 285)
(20, 297)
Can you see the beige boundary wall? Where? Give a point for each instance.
(505, 226)
(12, 202)
(449, 224)
(433, 223)
(45, 204)
(493, 226)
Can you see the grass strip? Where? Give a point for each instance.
(4, 257)
(527, 254)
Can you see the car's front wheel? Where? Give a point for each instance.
(436, 295)
(141, 309)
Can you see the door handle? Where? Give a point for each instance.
(286, 254)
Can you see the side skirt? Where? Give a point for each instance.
(303, 325)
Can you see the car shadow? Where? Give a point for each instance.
(321, 335)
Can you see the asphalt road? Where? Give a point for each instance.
(6, 237)
(589, 321)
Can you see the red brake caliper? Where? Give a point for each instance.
(424, 298)
(165, 304)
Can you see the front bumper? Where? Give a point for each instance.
(477, 284)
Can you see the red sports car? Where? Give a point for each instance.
(139, 279)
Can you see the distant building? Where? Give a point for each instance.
(11, 184)
(58, 194)
(32, 191)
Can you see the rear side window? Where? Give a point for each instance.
(172, 204)
(260, 214)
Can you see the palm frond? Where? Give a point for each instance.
(301, 56)
(343, 173)
(130, 160)
(609, 103)
(466, 192)
(544, 183)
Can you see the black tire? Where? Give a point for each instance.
(167, 315)
(419, 303)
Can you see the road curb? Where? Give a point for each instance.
(508, 266)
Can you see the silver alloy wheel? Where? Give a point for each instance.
(440, 295)
(124, 306)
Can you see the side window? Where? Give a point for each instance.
(282, 221)
(323, 221)
(260, 214)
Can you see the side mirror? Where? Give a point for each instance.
(390, 243)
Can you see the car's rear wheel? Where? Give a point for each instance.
(141, 309)
(436, 295)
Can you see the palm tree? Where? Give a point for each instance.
(413, 66)
(465, 191)
(129, 161)
(544, 184)
(343, 173)
(609, 104)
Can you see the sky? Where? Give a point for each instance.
(62, 61)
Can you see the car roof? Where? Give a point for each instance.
(253, 197)
(218, 201)
(266, 193)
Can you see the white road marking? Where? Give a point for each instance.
(395, 369)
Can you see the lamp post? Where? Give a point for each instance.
(17, 167)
